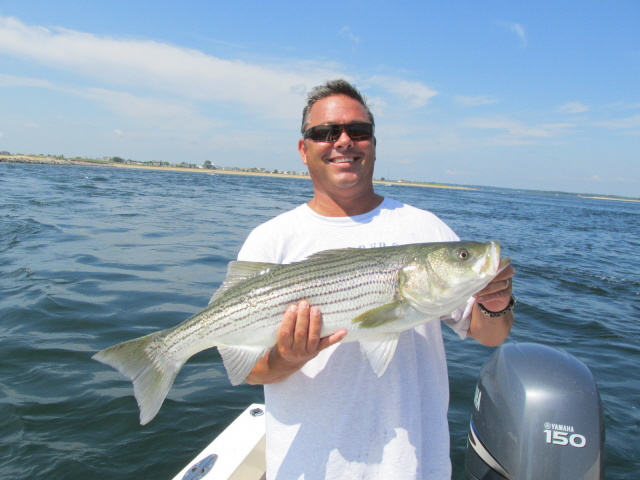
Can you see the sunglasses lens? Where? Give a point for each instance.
(327, 133)
(359, 131)
(332, 132)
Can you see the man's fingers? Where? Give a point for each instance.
(505, 274)
(315, 329)
(299, 335)
(287, 327)
(331, 339)
(301, 331)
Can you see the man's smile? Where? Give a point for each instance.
(342, 160)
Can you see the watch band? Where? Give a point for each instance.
(511, 306)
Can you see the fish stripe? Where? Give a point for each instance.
(245, 313)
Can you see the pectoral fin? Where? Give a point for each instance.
(240, 360)
(383, 315)
(380, 351)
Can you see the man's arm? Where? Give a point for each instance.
(495, 297)
(298, 341)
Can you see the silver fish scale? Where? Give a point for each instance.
(345, 284)
(334, 285)
(243, 318)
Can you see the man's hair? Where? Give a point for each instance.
(333, 87)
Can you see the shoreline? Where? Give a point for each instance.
(595, 197)
(282, 175)
(31, 159)
(56, 161)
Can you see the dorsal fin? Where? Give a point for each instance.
(238, 271)
(332, 253)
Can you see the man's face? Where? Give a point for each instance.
(346, 165)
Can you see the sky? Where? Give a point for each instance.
(529, 95)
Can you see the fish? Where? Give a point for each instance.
(374, 294)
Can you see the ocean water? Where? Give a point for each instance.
(92, 256)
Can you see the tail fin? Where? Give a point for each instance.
(151, 373)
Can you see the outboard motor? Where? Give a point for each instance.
(537, 416)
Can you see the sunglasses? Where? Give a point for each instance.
(333, 131)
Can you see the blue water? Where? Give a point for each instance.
(92, 256)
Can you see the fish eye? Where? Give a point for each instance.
(463, 254)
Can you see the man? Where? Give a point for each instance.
(328, 414)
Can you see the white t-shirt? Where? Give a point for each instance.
(335, 419)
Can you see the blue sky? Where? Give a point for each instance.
(534, 95)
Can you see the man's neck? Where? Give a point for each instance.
(329, 206)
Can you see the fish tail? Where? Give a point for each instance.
(151, 373)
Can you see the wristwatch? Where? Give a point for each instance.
(511, 306)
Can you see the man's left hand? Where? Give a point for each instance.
(496, 296)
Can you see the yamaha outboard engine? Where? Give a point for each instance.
(537, 416)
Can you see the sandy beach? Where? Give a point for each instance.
(283, 175)
(76, 161)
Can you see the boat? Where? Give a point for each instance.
(537, 415)
(238, 453)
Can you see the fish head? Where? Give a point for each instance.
(442, 276)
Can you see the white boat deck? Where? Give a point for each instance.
(240, 451)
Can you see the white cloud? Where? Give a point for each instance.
(14, 81)
(518, 29)
(414, 94)
(572, 108)
(631, 124)
(403, 161)
(456, 172)
(626, 180)
(346, 32)
(519, 129)
(163, 68)
(132, 106)
(474, 101)
(508, 132)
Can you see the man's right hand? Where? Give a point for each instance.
(298, 341)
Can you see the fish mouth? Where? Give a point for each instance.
(503, 264)
(491, 263)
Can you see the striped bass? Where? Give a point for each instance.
(374, 294)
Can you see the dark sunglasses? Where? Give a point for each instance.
(332, 131)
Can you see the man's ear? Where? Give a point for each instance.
(302, 150)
